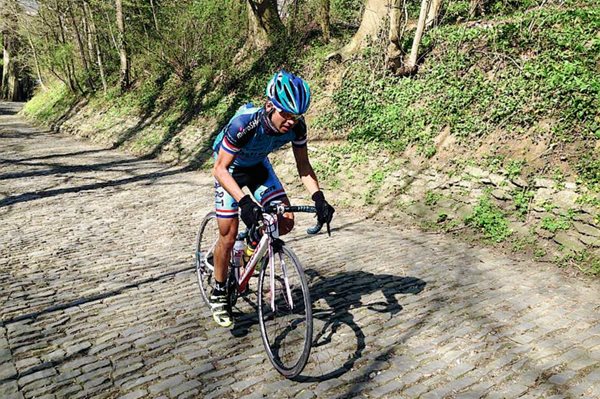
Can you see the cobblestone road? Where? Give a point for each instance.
(98, 298)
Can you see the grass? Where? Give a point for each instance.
(489, 220)
(49, 105)
(554, 224)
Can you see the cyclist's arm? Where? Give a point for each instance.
(305, 169)
(221, 173)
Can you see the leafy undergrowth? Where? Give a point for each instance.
(504, 74)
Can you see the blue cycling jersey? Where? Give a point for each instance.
(250, 138)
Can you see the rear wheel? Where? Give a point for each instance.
(206, 239)
(284, 313)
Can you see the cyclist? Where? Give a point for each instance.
(241, 151)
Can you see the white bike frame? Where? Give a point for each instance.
(271, 231)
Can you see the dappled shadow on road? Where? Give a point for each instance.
(10, 108)
(334, 298)
(50, 156)
(34, 195)
(64, 169)
(93, 298)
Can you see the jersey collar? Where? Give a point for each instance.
(266, 123)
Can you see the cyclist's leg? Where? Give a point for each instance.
(271, 189)
(227, 219)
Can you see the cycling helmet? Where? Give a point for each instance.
(288, 93)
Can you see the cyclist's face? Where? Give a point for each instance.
(283, 121)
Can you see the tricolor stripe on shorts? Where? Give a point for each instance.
(272, 196)
(227, 213)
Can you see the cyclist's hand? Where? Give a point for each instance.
(324, 210)
(250, 212)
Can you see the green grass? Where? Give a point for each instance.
(489, 220)
(554, 224)
(49, 105)
(522, 199)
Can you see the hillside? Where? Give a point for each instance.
(498, 133)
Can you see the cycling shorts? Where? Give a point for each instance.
(260, 179)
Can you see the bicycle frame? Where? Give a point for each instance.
(271, 232)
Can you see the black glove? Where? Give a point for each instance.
(324, 210)
(250, 212)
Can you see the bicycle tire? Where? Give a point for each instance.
(273, 342)
(204, 271)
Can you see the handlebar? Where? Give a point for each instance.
(281, 208)
(274, 208)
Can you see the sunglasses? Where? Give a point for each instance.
(289, 116)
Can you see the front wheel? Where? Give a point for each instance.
(284, 313)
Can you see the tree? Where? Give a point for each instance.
(94, 43)
(264, 23)
(375, 15)
(410, 66)
(124, 71)
(9, 85)
(324, 18)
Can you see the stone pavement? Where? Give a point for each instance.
(99, 300)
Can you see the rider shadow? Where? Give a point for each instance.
(341, 294)
(333, 299)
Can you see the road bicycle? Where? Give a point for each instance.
(284, 304)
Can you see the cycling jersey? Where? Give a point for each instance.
(250, 137)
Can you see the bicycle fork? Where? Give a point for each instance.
(286, 282)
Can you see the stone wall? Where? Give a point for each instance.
(548, 219)
(560, 216)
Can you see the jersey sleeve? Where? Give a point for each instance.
(239, 132)
(300, 137)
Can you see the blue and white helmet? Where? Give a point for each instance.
(288, 93)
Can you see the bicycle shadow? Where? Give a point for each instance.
(333, 298)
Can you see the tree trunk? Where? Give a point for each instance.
(393, 53)
(324, 19)
(80, 47)
(36, 61)
(10, 81)
(68, 66)
(265, 26)
(112, 34)
(370, 25)
(9, 84)
(433, 14)
(475, 8)
(96, 44)
(154, 16)
(411, 64)
(122, 47)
